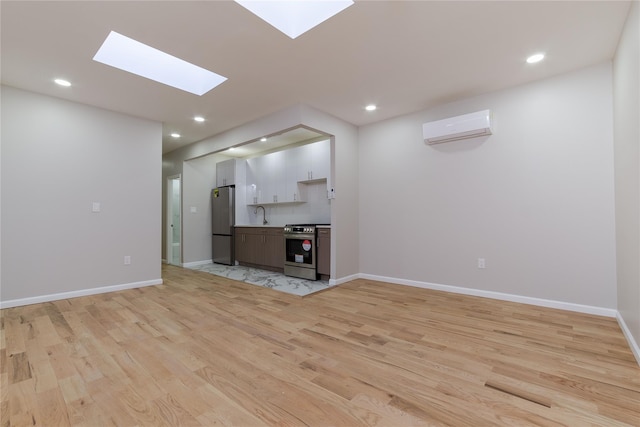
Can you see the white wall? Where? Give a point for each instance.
(626, 95)
(58, 158)
(535, 199)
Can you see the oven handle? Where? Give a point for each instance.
(299, 236)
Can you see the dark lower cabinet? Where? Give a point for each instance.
(260, 247)
(247, 246)
(324, 251)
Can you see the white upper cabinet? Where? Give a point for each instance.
(253, 170)
(314, 161)
(226, 173)
(293, 190)
(280, 177)
(266, 179)
(274, 179)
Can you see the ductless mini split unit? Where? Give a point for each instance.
(460, 127)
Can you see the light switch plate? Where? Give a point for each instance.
(194, 209)
(95, 207)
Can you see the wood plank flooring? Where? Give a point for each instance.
(202, 350)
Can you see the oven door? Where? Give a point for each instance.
(300, 255)
(300, 250)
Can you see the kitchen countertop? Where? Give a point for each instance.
(259, 226)
(272, 226)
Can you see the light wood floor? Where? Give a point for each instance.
(204, 350)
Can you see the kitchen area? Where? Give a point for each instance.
(271, 215)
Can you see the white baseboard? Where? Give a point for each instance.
(635, 349)
(600, 311)
(340, 281)
(196, 263)
(75, 294)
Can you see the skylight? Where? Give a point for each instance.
(294, 17)
(130, 55)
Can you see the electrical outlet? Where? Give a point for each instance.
(481, 263)
(127, 260)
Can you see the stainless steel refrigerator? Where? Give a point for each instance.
(223, 217)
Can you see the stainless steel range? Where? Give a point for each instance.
(300, 251)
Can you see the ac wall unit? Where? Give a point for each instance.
(460, 127)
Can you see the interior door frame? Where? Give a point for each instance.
(169, 216)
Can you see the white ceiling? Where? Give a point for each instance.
(403, 56)
(288, 137)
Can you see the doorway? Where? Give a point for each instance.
(174, 220)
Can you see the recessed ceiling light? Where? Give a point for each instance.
(62, 82)
(295, 17)
(130, 55)
(263, 139)
(198, 119)
(535, 58)
(175, 135)
(370, 107)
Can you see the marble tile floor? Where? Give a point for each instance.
(267, 279)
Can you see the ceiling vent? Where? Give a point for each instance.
(460, 127)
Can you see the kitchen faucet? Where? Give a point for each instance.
(264, 214)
